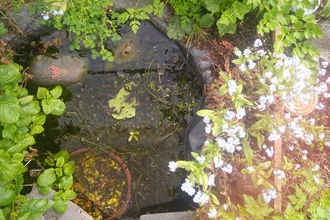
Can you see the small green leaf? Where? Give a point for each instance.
(7, 195)
(25, 99)
(47, 105)
(60, 205)
(39, 119)
(206, 21)
(43, 93)
(59, 107)
(47, 178)
(66, 182)
(70, 194)
(9, 109)
(36, 129)
(60, 161)
(45, 189)
(69, 168)
(56, 92)
(36, 207)
(9, 73)
(214, 199)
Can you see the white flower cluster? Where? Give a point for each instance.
(172, 166)
(46, 15)
(231, 115)
(299, 132)
(201, 198)
(269, 151)
(231, 87)
(251, 64)
(269, 194)
(188, 187)
(279, 173)
(212, 213)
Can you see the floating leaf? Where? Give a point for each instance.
(124, 104)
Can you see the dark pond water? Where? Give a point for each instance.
(165, 92)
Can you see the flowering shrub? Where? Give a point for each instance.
(258, 104)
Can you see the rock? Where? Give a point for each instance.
(68, 68)
(73, 211)
(27, 28)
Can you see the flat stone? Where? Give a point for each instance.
(167, 216)
(68, 68)
(324, 43)
(73, 211)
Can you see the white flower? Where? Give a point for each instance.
(225, 207)
(319, 106)
(238, 148)
(316, 167)
(206, 119)
(268, 74)
(238, 53)
(250, 169)
(229, 115)
(231, 87)
(270, 151)
(316, 179)
(257, 43)
(200, 159)
(324, 64)
(210, 180)
(322, 72)
(208, 128)
(172, 166)
(291, 147)
(212, 213)
(261, 53)
(228, 168)
(217, 163)
(45, 17)
(247, 52)
(242, 67)
(321, 136)
(269, 194)
(297, 166)
(188, 187)
(201, 198)
(251, 64)
(280, 174)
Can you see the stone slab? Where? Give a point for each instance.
(168, 216)
(73, 211)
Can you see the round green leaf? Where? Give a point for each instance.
(59, 107)
(9, 109)
(60, 205)
(56, 92)
(69, 168)
(47, 178)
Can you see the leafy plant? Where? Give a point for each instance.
(257, 106)
(92, 23)
(21, 117)
(59, 178)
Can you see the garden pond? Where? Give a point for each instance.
(137, 107)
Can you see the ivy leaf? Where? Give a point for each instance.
(48, 177)
(9, 109)
(36, 207)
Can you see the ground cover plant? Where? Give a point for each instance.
(23, 116)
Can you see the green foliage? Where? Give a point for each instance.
(93, 23)
(59, 178)
(3, 29)
(21, 117)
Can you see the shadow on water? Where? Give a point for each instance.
(166, 92)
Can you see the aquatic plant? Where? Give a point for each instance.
(253, 118)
